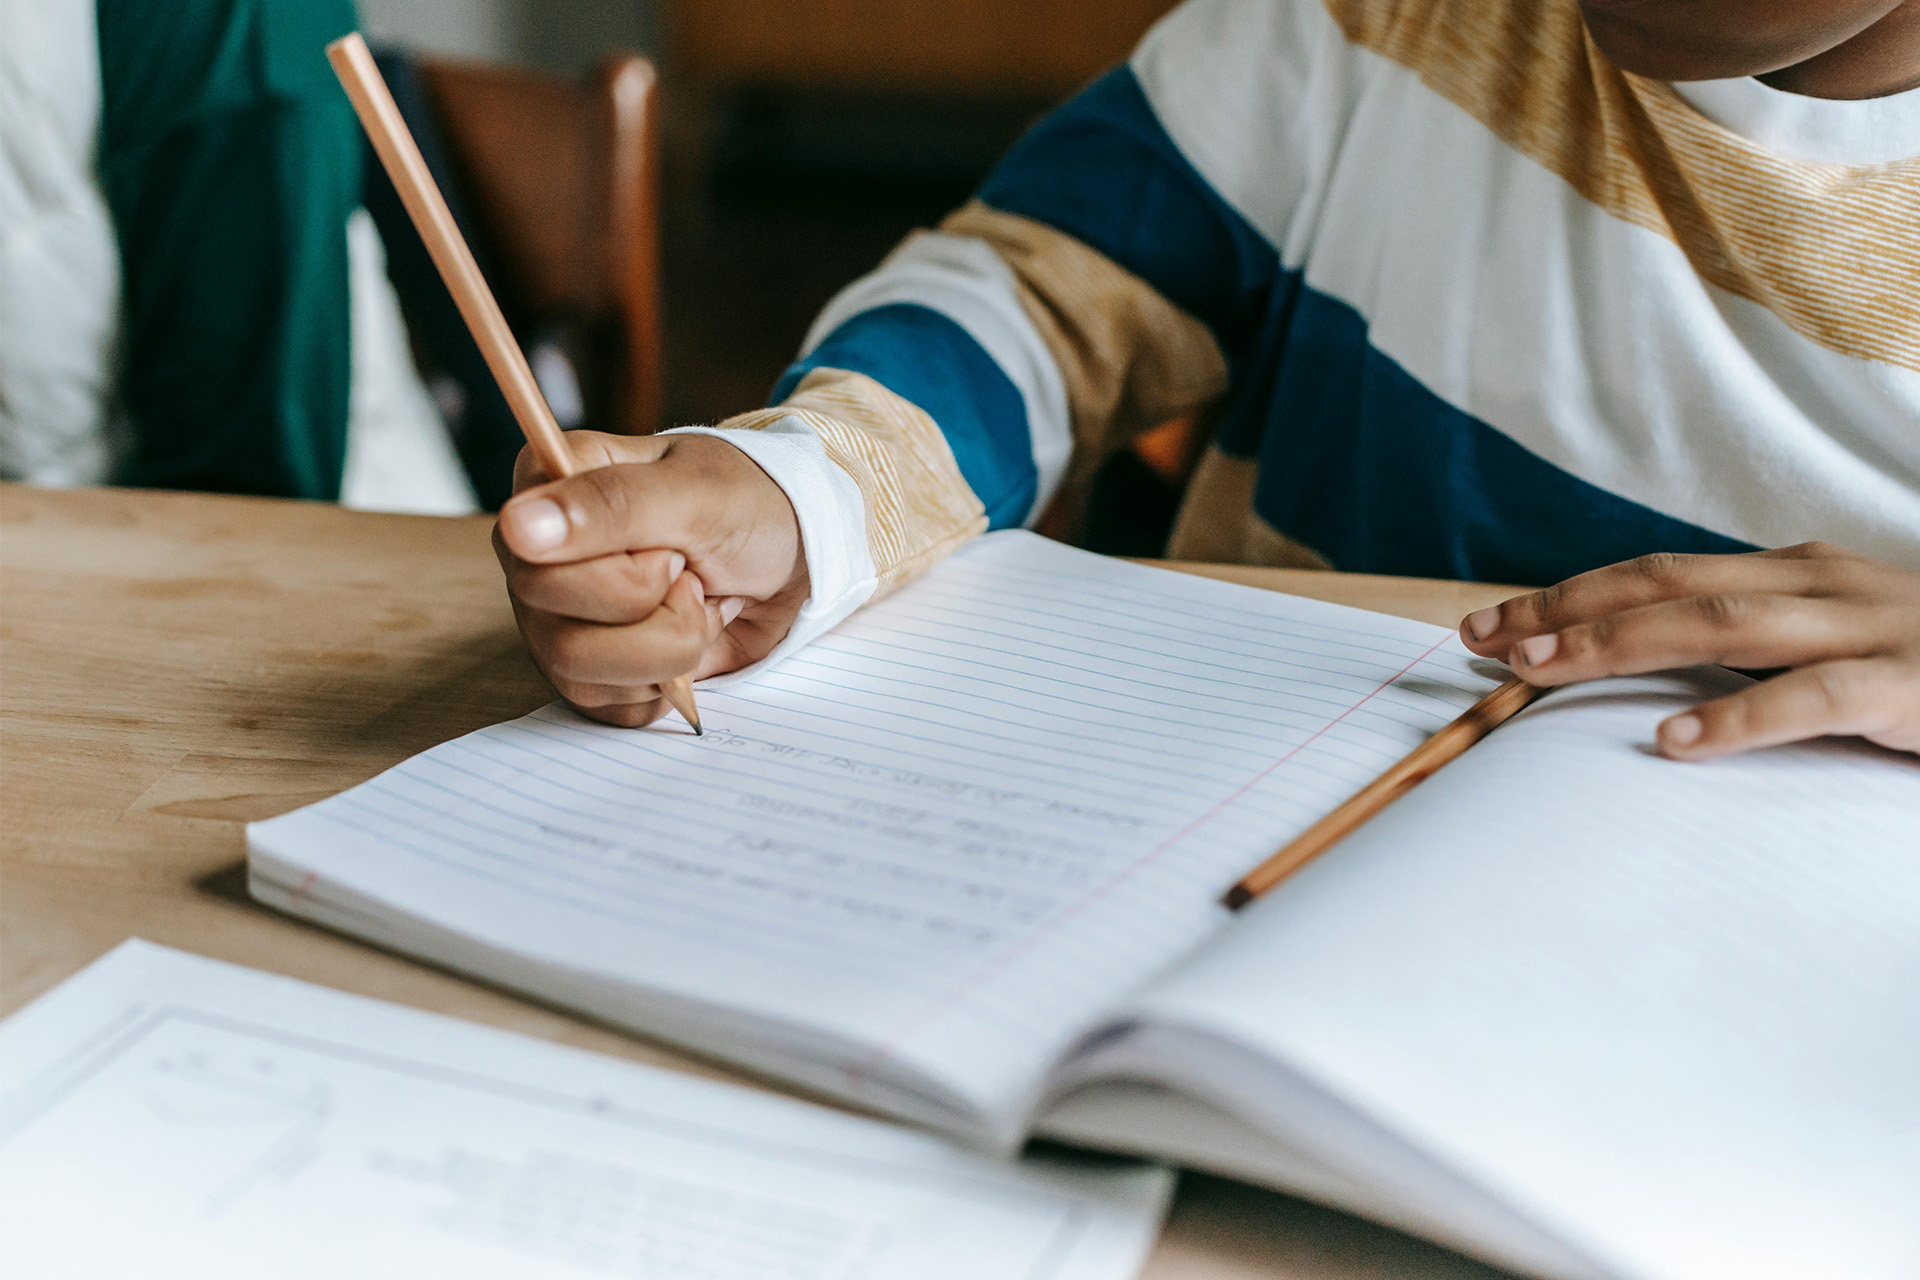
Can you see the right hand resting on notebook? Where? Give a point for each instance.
(666, 555)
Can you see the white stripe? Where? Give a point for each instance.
(965, 280)
(1851, 131)
(833, 526)
(1586, 339)
(1255, 93)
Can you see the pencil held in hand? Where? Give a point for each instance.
(1482, 718)
(372, 101)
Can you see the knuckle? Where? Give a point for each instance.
(1836, 688)
(605, 493)
(1723, 611)
(1732, 719)
(1542, 604)
(1663, 568)
(642, 581)
(567, 654)
(1600, 636)
(1847, 576)
(1528, 614)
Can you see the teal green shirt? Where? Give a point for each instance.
(231, 161)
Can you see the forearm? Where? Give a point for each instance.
(1098, 288)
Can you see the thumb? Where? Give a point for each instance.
(634, 506)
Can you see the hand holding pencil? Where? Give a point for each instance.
(626, 557)
(663, 555)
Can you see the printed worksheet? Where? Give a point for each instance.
(166, 1115)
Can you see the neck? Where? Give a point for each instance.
(1883, 59)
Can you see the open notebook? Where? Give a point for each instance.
(1569, 1006)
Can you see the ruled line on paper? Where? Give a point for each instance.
(995, 758)
(933, 1009)
(953, 773)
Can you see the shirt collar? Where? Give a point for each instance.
(1795, 127)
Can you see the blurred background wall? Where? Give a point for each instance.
(562, 36)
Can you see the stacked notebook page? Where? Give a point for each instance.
(1569, 1006)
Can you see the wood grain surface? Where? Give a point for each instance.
(173, 666)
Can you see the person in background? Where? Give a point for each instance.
(191, 293)
(1600, 292)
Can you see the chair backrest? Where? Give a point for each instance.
(563, 181)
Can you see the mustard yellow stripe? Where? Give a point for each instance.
(1130, 358)
(919, 507)
(1833, 250)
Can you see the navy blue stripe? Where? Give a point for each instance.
(922, 356)
(1358, 459)
(1363, 463)
(1103, 170)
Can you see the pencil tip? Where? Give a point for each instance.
(698, 732)
(1236, 898)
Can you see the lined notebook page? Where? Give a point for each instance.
(946, 835)
(1671, 1011)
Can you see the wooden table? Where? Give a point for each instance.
(175, 665)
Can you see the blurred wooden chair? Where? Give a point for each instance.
(562, 181)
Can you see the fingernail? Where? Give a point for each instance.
(1536, 650)
(675, 564)
(540, 523)
(1482, 623)
(1682, 731)
(699, 588)
(730, 609)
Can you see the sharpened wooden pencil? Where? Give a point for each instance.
(1482, 718)
(400, 155)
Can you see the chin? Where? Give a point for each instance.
(1664, 41)
(1721, 39)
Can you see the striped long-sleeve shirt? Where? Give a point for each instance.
(1462, 298)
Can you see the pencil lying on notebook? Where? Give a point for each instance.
(353, 64)
(1482, 718)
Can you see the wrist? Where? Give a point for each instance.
(833, 572)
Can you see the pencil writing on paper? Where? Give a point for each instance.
(354, 65)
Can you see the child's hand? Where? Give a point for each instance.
(1845, 627)
(666, 555)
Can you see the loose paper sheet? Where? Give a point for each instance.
(165, 1115)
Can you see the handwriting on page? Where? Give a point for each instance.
(1015, 786)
